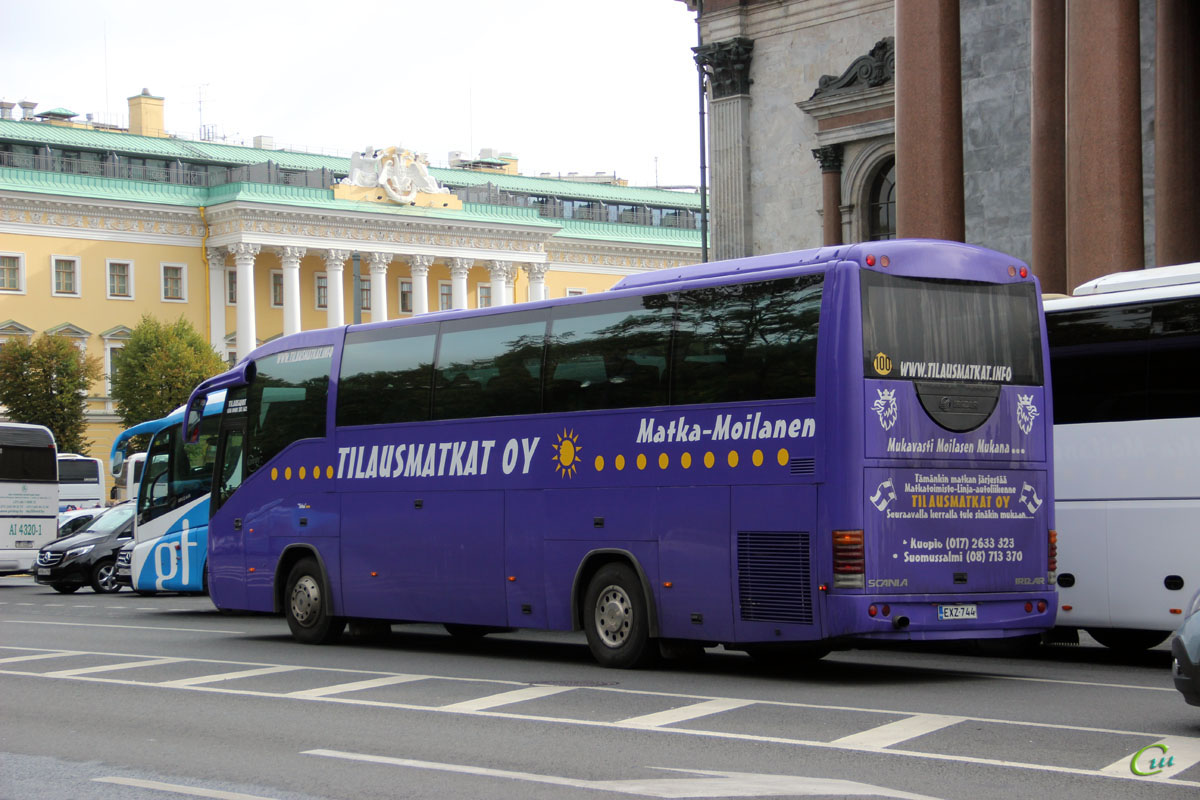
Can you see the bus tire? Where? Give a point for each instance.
(104, 577)
(66, 588)
(1128, 640)
(616, 618)
(306, 606)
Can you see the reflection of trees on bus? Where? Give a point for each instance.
(724, 344)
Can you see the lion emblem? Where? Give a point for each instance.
(1026, 413)
(885, 407)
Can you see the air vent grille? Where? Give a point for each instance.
(775, 576)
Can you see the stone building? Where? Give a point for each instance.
(1061, 131)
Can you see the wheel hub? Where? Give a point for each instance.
(306, 601)
(614, 616)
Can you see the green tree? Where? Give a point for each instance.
(45, 382)
(158, 368)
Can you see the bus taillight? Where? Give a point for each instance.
(1052, 558)
(849, 560)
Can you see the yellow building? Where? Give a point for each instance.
(100, 226)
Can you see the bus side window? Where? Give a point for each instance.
(490, 366)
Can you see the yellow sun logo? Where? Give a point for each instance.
(566, 457)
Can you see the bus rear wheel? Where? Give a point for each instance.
(616, 618)
(1128, 640)
(307, 607)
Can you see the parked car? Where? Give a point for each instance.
(76, 520)
(1185, 646)
(87, 557)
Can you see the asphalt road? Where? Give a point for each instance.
(121, 696)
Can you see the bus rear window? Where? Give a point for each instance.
(20, 463)
(78, 470)
(934, 329)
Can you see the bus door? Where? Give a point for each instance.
(226, 542)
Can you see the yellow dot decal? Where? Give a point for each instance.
(329, 471)
(757, 458)
(599, 463)
(287, 473)
(641, 460)
(316, 473)
(302, 473)
(783, 457)
(619, 462)
(686, 460)
(733, 458)
(274, 473)
(664, 461)
(709, 460)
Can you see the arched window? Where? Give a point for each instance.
(881, 203)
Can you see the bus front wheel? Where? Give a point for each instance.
(307, 607)
(616, 618)
(1128, 640)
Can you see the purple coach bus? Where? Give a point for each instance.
(780, 454)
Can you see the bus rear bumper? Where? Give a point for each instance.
(933, 617)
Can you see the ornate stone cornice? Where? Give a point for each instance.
(396, 235)
(830, 157)
(104, 220)
(727, 65)
(617, 258)
(876, 68)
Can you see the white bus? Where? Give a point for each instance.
(1125, 370)
(80, 482)
(28, 494)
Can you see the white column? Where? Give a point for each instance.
(216, 300)
(510, 281)
(379, 265)
(290, 257)
(419, 266)
(335, 265)
(244, 254)
(499, 270)
(537, 280)
(459, 267)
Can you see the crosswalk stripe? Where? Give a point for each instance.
(684, 713)
(899, 731)
(504, 698)
(224, 676)
(354, 686)
(71, 673)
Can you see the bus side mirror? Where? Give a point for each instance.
(117, 463)
(195, 414)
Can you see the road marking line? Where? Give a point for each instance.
(713, 784)
(225, 676)
(127, 627)
(71, 673)
(178, 789)
(1184, 750)
(505, 698)
(899, 731)
(14, 659)
(684, 713)
(1071, 683)
(354, 686)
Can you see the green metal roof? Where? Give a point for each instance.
(57, 112)
(66, 136)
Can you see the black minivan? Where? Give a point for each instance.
(88, 556)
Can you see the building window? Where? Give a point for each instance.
(364, 294)
(483, 295)
(174, 283)
(12, 273)
(231, 287)
(66, 276)
(445, 296)
(120, 280)
(576, 292)
(322, 291)
(276, 288)
(881, 203)
(406, 300)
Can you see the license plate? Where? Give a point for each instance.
(27, 544)
(966, 611)
(43, 572)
